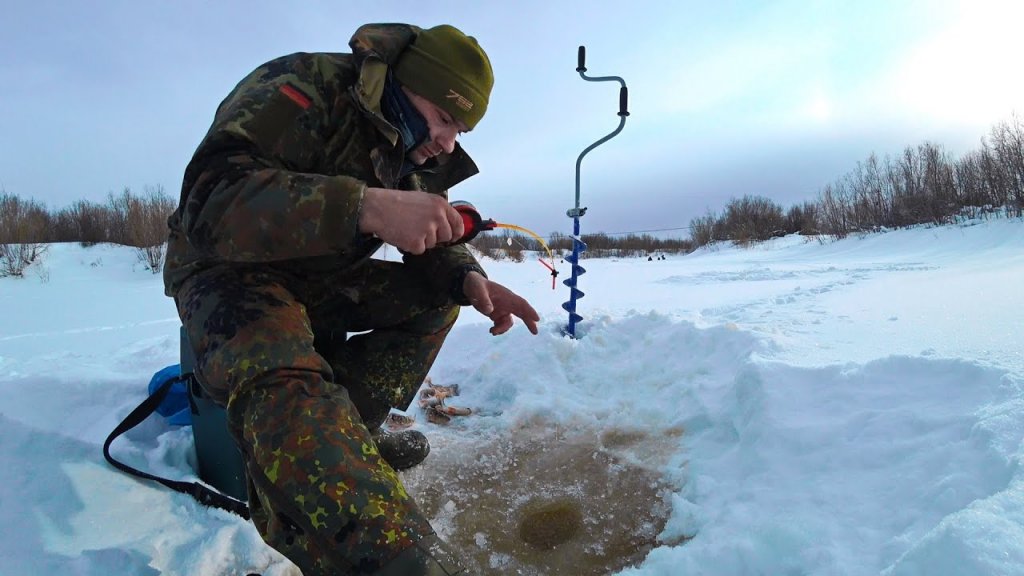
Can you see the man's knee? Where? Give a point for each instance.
(438, 320)
(327, 498)
(254, 356)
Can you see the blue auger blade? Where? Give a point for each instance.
(571, 281)
(575, 293)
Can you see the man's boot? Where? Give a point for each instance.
(402, 450)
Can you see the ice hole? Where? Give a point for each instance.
(546, 500)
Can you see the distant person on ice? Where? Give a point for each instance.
(312, 162)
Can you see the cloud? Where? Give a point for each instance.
(962, 74)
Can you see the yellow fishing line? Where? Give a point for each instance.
(551, 256)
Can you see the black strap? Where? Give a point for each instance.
(203, 494)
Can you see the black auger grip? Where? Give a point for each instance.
(581, 58)
(623, 101)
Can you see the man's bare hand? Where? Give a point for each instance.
(498, 303)
(409, 220)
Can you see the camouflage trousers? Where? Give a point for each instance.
(301, 399)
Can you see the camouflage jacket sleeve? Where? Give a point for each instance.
(446, 267)
(252, 191)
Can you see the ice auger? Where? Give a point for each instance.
(576, 213)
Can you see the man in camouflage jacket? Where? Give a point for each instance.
(312, 162)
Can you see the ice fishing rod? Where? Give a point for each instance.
(473, 224)
(577, 212)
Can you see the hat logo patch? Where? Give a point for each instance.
(460, 100)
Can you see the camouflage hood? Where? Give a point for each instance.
(376, 47)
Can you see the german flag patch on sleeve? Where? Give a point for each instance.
(296, 95)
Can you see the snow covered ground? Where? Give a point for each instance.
(846, 408)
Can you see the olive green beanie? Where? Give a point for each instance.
(450, 70)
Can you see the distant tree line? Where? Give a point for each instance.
(923, 185)
(129, 219)
(513, 245)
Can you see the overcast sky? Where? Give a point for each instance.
(726, 98)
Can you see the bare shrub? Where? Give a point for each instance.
(969, 183)
(21, 220)
(23, 229)
(753, 218)
(865, 195)
(835, 212)
(491, 245)
(15, 258)
(560, 243)
(499, 246)
(85, 222)
(803, 219)
(598, 245)
(146, 223)
(702, 229)
(1005, 170)
(514, 247)
(117, 217)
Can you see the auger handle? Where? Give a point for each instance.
(623, 100)
(581, 58)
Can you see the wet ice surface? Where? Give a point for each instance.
(545, 500)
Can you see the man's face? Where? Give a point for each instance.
(443, 130)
